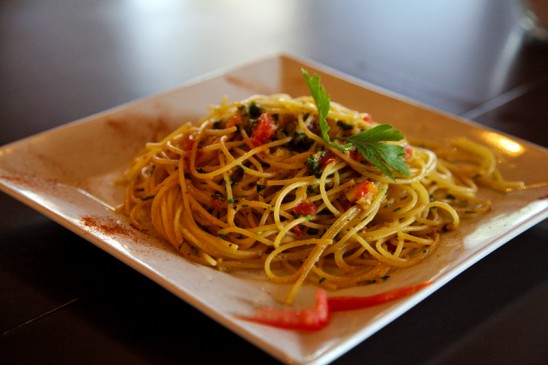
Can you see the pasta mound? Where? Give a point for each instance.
(253, 186)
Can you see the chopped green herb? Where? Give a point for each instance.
(313, 163)
(344, 126)
(313, 232)
(300, 142)
(254, 110)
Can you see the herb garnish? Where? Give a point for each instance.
(313, 163)
(383, 155)
(370, 143)
(323, 105)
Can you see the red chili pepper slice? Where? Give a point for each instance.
(337, 304)
(318, 317)
(303, 320)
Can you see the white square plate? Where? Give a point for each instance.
(68, 174)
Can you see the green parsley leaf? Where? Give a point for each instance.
(383, 155)
(323, 104)
(369, 143)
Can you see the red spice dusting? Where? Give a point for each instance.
(16, 179)
(113, 228)
(155, 127)
(105, 225)
(31, 182)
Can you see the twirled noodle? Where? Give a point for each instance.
(253, 186)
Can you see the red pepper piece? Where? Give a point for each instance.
(190, 145)
(297, 229)
(303, 320)
(350, 302)
(235, 120)
(360, 192)
(362, 189)
(217, 203)
(327, 159)
(305, 208)
(355, 155)
(264, 130)
(408, 152)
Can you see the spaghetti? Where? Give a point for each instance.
(253, 186)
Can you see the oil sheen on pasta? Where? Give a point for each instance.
(253, 186)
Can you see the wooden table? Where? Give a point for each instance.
(64, 301)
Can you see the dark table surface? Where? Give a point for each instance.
(63, 300)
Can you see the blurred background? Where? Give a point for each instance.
(453, 55)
